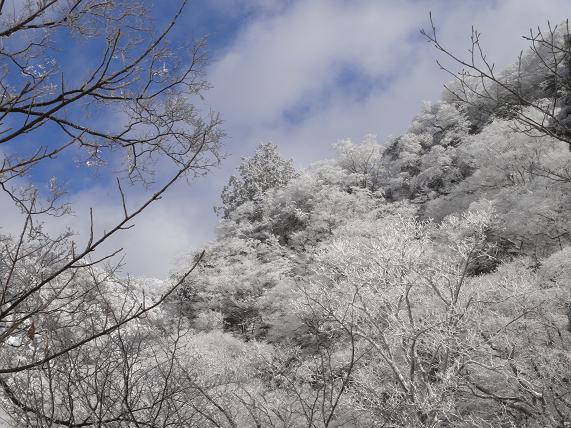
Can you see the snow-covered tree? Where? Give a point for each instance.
(538, 79)
(264, 171)
(364, 160)
(432, 345)
(65, 347)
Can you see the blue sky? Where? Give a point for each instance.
(302, 74)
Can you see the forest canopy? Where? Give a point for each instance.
(424, 281)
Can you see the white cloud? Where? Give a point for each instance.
(162, 234)
(235, 8)
(295, 58)
(165, 231)
(287, 59)
(291, 56)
